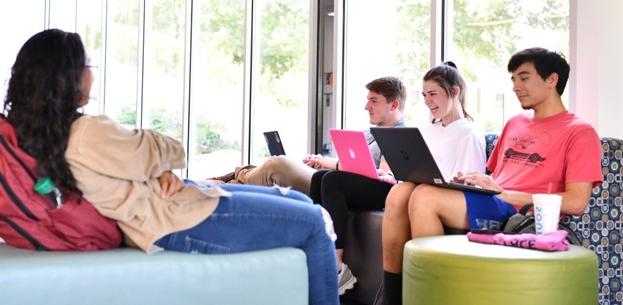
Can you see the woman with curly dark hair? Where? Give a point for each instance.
(44, 94)
(127, 176)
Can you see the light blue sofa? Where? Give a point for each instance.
(128, 276)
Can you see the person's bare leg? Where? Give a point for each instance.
(430, 208)
(396, 232)
(396, 228)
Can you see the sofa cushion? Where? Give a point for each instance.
(128, 276)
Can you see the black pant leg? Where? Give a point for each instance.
(344, 191)
(315, 185)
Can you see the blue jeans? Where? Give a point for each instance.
(259, 218)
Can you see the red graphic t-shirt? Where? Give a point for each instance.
(533, 153)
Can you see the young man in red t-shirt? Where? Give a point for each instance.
(549, 150)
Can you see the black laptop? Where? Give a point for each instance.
(410, 159)
(275, 147)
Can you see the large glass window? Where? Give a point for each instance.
(486, 33)
(163, 68)
(217, 80)
(89, 25)
(392, 39)
(280, 81)
(19, 20)
(122, 65)
(154, 66)
(63, 14)
(85, 18)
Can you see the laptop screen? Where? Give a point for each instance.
(273, 141)
(353, 152)
(408, 156)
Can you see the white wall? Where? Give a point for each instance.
(597, 65)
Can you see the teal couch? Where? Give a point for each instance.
(128, 276)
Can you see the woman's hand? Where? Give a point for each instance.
(386, 177)
(170, 184)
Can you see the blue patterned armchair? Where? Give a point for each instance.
(601, 226)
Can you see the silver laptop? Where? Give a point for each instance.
(410, 159)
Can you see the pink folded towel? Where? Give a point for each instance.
(553, 241)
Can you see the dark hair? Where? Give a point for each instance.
(43, 99)
(545, 62)
(391, 88)
(447, 76)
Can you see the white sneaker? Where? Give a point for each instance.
(345, 279)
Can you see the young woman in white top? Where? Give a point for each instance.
(453, 141)
(456, 146)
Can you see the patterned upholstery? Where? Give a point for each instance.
(601, 226)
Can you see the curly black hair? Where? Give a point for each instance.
(43, 98)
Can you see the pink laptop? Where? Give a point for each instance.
(353, 152)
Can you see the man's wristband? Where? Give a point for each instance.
(337, 165)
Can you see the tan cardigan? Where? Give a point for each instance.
(117, 170)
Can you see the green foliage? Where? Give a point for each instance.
(263, 152)
(168, 24)
(486, 29)
(209, 138)
(552, 15)
(126, 12)
(208, 134)
(127, 116)
(414, 37)
(283, 42)
(92, 38)
(125, 29)
(169, 15)
(161, 120)
(222, 24)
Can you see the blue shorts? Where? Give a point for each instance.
(487, 211)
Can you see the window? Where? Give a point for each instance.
(62, 14)
(280, 77)
(484, 34)
(121, 63)
(89, 25)
(163, 66)
(151, 73)
(392, 39)
(217, 85)
(17, 16)
(199, 73)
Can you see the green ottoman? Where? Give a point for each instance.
(446, 270)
